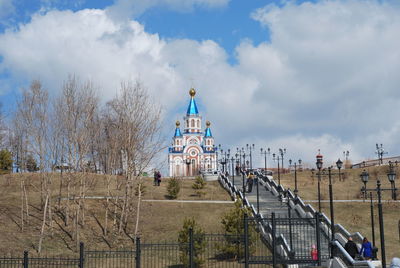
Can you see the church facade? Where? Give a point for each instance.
(192, 150)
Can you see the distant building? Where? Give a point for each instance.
(192, 150)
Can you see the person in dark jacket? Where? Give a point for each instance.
(366, 248)
(351, 248)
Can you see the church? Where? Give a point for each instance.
(192, 150)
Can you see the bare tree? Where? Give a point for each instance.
(135, 123)
(32, 120)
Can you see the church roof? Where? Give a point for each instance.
(208, 132)
(192, 109)
(177, 130)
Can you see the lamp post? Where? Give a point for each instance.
(319, 166)
(364, 178)
(391, 177)
(265, 153)
(331, 206)
(276, 158)
(187, 162)
(339, 165)
(243, 185)
(233, 170)
(237, 160)
(380, 152)
(250, 148)
(295, 175)
(282, 152)
(372, 220)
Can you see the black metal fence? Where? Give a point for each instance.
(298, 234)
(259, 244)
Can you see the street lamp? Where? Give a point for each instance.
(372, 220)
(295, 175)
(250, 148)
(276, 158)
(392, 177)
(233, 171)
(319, 166)
(281, 153)
(265, 153)
(380, 152)
(339, 165)
(364, 178)
(331, 207)
(187, 162)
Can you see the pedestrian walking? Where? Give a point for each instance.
(351, 248)
(250, 181)
(314, 253)
(366, 249)
(158, 178)
(155, 177)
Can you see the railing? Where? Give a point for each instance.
(304, 211)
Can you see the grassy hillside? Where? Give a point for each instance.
(158, 220)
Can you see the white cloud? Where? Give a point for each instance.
(328, 79)
(123, 9)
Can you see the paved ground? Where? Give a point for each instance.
(302, 237)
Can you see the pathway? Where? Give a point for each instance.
(303, 237)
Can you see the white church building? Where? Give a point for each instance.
(192, 150)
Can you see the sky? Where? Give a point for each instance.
(300, 75)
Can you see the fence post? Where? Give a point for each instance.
(138, 252)
(26, 259)
(318, 235)
(246, 241)
(273, 222)
(290, 231)
(81, 254)
(191, 248)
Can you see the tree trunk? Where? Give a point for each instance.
(43, 224)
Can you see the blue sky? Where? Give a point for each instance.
(305, 75)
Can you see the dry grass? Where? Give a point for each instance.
(354, 216)
(159, 220)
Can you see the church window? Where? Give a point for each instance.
(192, 124)
(198, 123)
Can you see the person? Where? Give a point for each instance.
(155, 178)
(314, 253)
(237, 170)
(366, 248)
(351, 247)
(250, 181)
(158, 178)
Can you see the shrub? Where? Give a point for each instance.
(5, 161)
(198, 245)
(173, 188)
(233, 224)
(199, 183)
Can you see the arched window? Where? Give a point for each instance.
(187, 123)
(198, 123)
(192, 124)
